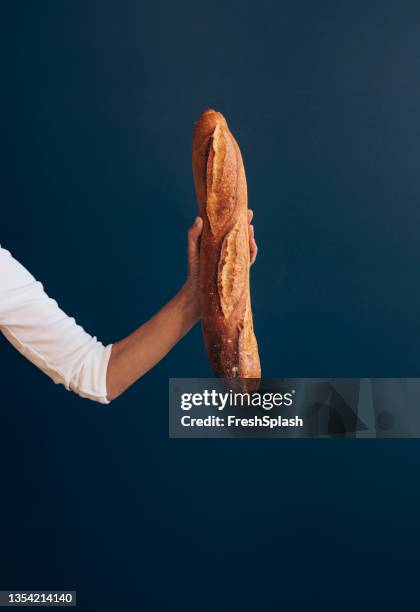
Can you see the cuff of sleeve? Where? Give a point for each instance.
(106, 357)
(94, 387)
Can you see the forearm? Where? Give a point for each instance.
(134, 355)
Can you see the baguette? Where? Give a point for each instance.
(220, 185)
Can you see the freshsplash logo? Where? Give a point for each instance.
(230, 399)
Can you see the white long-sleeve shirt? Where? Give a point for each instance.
(50, 339)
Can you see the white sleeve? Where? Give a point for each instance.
(50, 339)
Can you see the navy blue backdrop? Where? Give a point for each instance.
(98, 103)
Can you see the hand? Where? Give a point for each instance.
(194, 234)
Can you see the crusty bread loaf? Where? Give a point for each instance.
(220, 186)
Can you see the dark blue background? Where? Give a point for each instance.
(98, 102)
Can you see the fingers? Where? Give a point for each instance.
(195, 230)
(253, 249)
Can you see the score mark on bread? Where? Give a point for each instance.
(221, 192)
(233, 268)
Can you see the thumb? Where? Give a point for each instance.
(194, 234)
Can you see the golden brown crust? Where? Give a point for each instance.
(220, 186)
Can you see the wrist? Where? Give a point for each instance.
(190, 300)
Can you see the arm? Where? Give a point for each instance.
(36, 326)
(134, 355)
(43, 333)
(140, 351)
